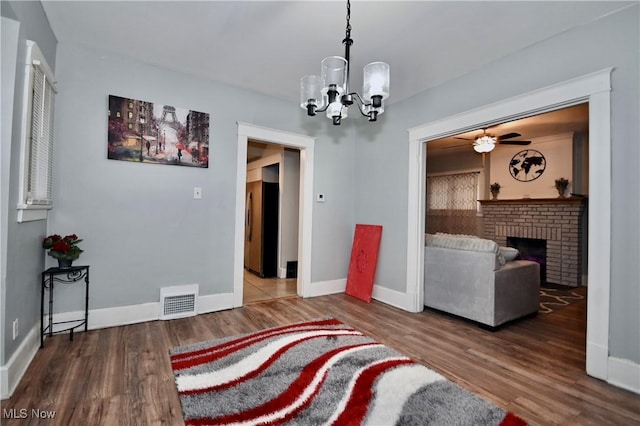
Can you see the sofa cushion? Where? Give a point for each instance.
(468, 243)
(509, 253)
(462, 243)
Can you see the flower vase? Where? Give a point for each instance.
(64, 263)
(561, 192)
(494, 195)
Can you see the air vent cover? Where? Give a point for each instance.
(178, 301)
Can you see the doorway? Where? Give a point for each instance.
(592, 88)
(305, 145)
(271, 222)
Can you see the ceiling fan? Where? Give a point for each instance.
(481, 142)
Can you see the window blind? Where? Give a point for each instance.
(41, 140)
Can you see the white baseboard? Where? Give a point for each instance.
(11, 373)
(597, 363)
(215, 302)
(282, 273)
(322, 288)
(624, 374)
(381, 294)
(133, 314)
(392, 297)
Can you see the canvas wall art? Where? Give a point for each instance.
(145, 132)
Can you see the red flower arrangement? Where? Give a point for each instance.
(62, 248)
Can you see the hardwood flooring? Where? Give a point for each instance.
(122, 375)
(256, 289)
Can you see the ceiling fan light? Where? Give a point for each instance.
(376, 80)
(484, 143)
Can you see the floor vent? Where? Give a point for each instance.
(178, 301)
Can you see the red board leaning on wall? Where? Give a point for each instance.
(364, 258)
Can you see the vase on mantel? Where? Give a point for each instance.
(64, 263)
(494, 195)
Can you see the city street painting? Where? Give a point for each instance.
(145, 132)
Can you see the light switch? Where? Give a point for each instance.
(197, 192)
(320, 198)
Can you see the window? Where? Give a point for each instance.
(453, 192)
(37, 145)
(452, 203)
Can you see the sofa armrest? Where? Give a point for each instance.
(517, 290)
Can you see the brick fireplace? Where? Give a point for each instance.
(558, 221)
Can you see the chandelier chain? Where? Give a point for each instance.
(348, 29)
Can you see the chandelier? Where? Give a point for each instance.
(329, 92)
(484, 143)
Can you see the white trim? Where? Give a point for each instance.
(11, 373)
(28, 213)
(392, 297)
(381, 294)
(306, 146)
(594, 88)
(625, 374)
(323, 288)
(133, 314)
(282, 273)
(214, 303)
(34, 57)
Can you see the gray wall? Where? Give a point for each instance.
(23, 259)
(381, 179)
(141, 227)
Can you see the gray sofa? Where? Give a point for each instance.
(468, 276)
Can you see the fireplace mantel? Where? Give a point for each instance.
(566, 200)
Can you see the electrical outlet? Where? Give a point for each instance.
(197, 192)
(15, 329)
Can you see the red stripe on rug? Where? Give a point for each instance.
(207, 358)
(272, 359)
(512, 420)
(330, 321)
(357, 407)
(285, 399)
(216, 353)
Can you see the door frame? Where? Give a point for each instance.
(594, 88)
(306, 145)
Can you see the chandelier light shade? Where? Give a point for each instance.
(329, 92)
(311, 92)
(484, 143)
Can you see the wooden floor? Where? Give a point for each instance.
(256, 289)
(122, 375)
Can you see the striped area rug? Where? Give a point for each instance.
(318, 373)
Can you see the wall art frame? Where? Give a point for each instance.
(145, 132)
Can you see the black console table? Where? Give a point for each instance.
(70, 275)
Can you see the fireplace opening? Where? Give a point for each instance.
(531, 249)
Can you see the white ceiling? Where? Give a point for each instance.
(266, 46)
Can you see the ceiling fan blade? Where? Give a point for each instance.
(515, 142)
(509, 135)
(464, 139)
